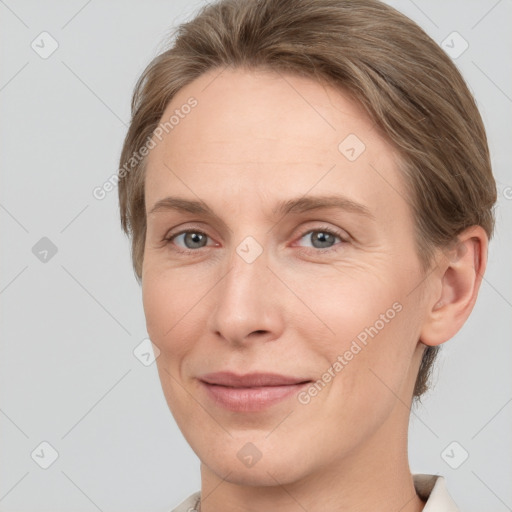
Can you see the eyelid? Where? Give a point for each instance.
(170, 236)
(341, 234)
(337, 232)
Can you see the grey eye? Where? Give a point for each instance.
(193, 239)
(321, 239)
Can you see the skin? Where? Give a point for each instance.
(254, 139)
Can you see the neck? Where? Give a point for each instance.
(372, 477)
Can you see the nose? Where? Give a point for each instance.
(247, 303)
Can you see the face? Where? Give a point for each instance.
(281, 282)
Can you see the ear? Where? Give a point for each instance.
(460, 272)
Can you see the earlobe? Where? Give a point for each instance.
(461, 267)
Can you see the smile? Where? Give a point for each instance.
(252, 392)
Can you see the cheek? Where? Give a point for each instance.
(155, 299)
(369, 376)
(375, 328)
(166, 303)
(385, 368)
(352, 304)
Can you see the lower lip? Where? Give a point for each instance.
(250, 399)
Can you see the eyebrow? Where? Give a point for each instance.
(295, 205)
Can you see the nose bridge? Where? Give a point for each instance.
(244, 299)
(247, 263)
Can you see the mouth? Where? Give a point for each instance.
(251, 392)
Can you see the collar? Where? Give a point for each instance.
(432, 489)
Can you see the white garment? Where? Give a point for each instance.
(431, 488)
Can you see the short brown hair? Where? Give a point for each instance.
(406, 83)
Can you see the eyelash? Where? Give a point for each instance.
(322, 229)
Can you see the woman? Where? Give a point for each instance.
(309, 193)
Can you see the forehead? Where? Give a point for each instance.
(270, 133)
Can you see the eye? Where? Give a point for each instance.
(323, 238)
(191, 239)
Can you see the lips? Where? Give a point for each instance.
(251, 392)
(250, 380)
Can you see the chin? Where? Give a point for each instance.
(253, 460)
(265, 473)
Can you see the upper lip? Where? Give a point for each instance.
(250, 379)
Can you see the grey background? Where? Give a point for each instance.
(70, 324)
